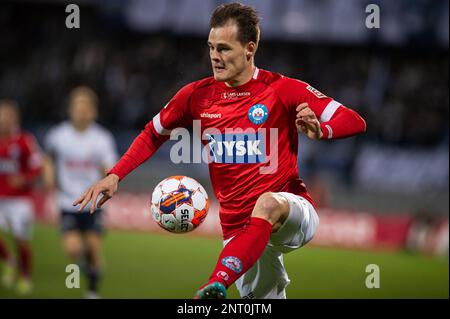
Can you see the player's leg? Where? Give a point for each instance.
(6, 258)
(5, 255)
(241, 253)
(93, 269)
(93, 229)
(268, 277)
(6, 264)
(71, 236)
(24, 264)
(72, 242)
(21, 221)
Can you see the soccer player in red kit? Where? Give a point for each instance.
(250, 118)
(20, 165)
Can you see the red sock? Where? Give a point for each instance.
(241, 253)
(24, 252)
(4, 252)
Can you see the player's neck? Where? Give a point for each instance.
(80, 127)
(8, 134)
(242, 78)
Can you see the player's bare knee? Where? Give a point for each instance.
(72, 248)
(270, 207)
(73, 252)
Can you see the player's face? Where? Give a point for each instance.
(9, 119)
(82, 111)
(229, 57)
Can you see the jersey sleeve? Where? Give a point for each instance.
(344, 123)
(337, 121)
(293, 92)
(156, 132)
(176, 113)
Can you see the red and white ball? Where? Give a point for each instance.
(179, 204)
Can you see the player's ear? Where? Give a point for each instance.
(250, 50)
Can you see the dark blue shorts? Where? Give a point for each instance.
(82, 222)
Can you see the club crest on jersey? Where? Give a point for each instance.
(258, 114)
(232, 263)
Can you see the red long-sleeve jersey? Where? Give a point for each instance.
(19, 156)
(251, 134)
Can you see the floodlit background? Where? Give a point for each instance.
(383, 196)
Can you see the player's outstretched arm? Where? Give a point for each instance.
(107, 187)
(142, 148)
(343, 123)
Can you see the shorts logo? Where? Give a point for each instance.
(258, 114)
(232, 263)
(249, 296)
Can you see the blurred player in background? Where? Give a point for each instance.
(79, 152)
(20, 166)
(264, 211)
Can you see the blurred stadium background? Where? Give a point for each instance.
(383, 196)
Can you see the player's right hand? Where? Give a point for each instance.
(106, 186)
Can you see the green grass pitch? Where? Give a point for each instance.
(147, 265)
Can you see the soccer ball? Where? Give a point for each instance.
(179, 204)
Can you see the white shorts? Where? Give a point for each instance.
(16, 214)
(268, 278)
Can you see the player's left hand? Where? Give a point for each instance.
(307, 122)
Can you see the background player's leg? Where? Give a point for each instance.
(5, 255)
(21, 221)
(73, 245)
(6, 264)
(24, 263)
(93, 269)
(241, 253)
